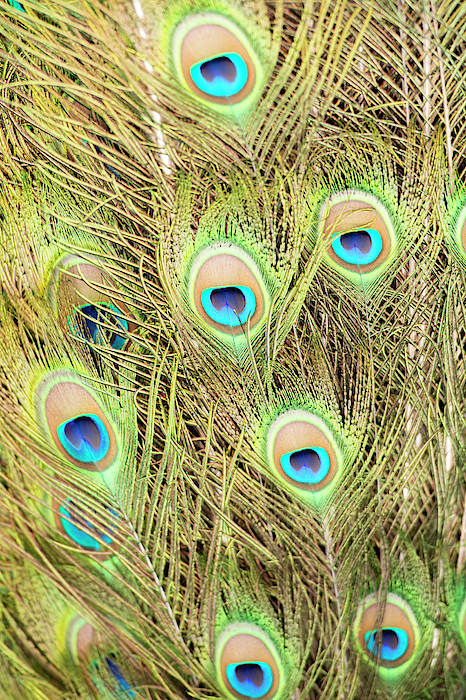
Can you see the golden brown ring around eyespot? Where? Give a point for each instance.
(84, 284)
(68, 402)
(356, 215)
(299, 435)
(226, 270)
(393, 617)
(248, 649)
(205, 42)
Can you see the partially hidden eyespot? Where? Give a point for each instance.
(302, 452)
(360, 232)
(248, 662)
(83, 299)
(77, 424)
(75, 524)
(116, 679)
(103, 673)
(215, 60)
(99, 324)
(227, 291)
(389, 639)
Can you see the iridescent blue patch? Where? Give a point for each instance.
(82, 538)
(16, 5)
(118, 675)
(221, 76)
(307, 466)
(251, 680)
(229, 306)
(123, 688)
(394, 643)
(92, 323)
(359, 247)
(85, 438)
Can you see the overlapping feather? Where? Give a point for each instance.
(109, 161)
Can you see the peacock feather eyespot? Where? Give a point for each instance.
(222, 76)
(76, 423)
(81, 297)
(84, 437)
(393, 643)
(112, 677)
(73, 522)
(303, 453)
(229, 306)
(227, 291)
(99, 324)
(247, 662)
(359, 247)
(309, 465)
(361, 234)
(215, 61)
(390, 640)
(102, 673)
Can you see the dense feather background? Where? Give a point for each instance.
(232, 377)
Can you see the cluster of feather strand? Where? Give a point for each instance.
(108, 163)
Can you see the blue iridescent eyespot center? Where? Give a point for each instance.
(82, 538)
(220, 76)
(394, 643)
(123, 688)
(360, 247)
(307, 466)
(252, 680)
(229, 306)
(118, 675)
(85, 438)
(91, 323)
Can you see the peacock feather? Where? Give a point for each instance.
(232, 366)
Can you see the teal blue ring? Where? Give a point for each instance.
(388, 654)
(226, 316)
(90, 454)
(306, 475)
(219, 86)
(79, 536)
(247, 688)
(73, 325)
(354, 256)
